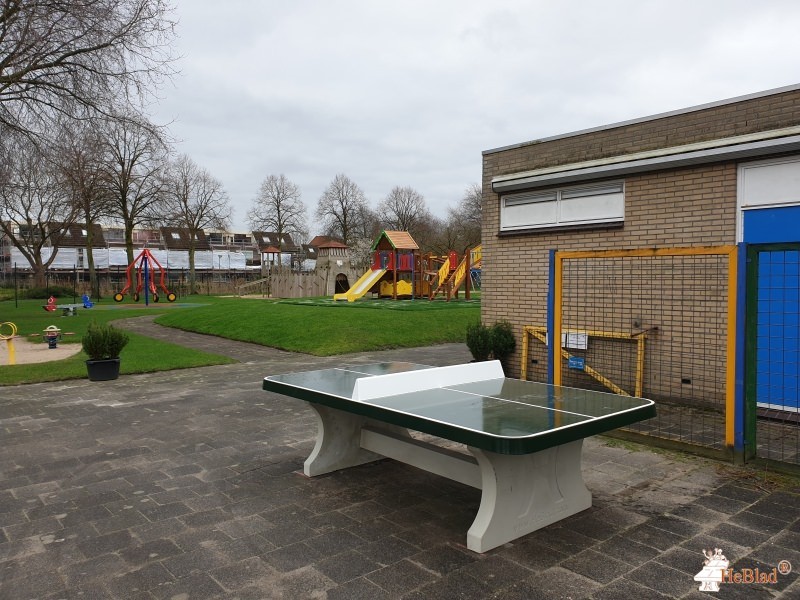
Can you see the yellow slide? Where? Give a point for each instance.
(362, 286)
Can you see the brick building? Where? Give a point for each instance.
(716, 175)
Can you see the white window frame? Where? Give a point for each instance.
(555, 207)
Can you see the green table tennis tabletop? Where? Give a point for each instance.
(501, 415)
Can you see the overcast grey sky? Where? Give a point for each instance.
(411, 92)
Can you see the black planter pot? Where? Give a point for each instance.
(104, 369)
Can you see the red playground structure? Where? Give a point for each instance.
(145, 265)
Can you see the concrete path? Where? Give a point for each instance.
(186, 485)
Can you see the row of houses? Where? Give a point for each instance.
(214, 250)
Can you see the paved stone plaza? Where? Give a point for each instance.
(187, 485)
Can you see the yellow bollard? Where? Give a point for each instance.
(9, 338)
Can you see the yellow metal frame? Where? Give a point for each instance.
(540, 333)
(729, 251)
(9, 339)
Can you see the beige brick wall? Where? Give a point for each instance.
(671, 208)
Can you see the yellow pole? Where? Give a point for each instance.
(523, 371)
(730, 367)
(9, 338)
(556, 341)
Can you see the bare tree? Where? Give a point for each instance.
(80, 160)
(444, 235)
(194, 200)
(137, 153)
(34, 210)
(278, 208)
(79, 58)
(404, 209)
(341, 209)
(466, 217)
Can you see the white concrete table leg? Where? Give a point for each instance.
(523, 493)
(338, 442)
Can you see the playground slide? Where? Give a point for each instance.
(362, 286)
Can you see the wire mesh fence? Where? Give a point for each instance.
(773, 352)
(655, 324)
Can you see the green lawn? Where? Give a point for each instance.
(141, 355)
(323, 328)
(314, 326)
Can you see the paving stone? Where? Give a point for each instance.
(30, 528)
(375, 529)
(147, 531)
(653, 536)
(287, 534)
(32, 585)
(126, 520)
(243, 573)
(444, 558)
(773, 554)
(330, 520)
(663, 579)
(102, 567)
(774, 510)
(682, 559)
(332, 542)
(757, 522)
(626, 550)
(562, 539)
(243, 548)
(596, 566)
(287, 514)
(787, 539)
(205, 518)
(432, 534)
(346, 566)
(594, 526)
(699, 514)
(105, 544)
(674, 525)
(243, 527)
(305, 583)
(738, 492)
(387, 550)
(154, 550)
(789, 499)
(155, 512)
(739, 535)
(751, 562)
(496, 572)
(140, 580)
(198, 586)
(358, 589)
(534, 555)
(186, 563)
(456, 586)
(401, 577)
(289, 558)
(552, 583)
(627, 590)
(702, 542)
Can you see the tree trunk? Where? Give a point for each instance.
(129, 241)
(94, 285)
(192, 277)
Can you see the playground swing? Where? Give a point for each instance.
(144, 279)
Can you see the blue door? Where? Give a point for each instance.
(774, 235)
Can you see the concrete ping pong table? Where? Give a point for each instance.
(525, 438)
